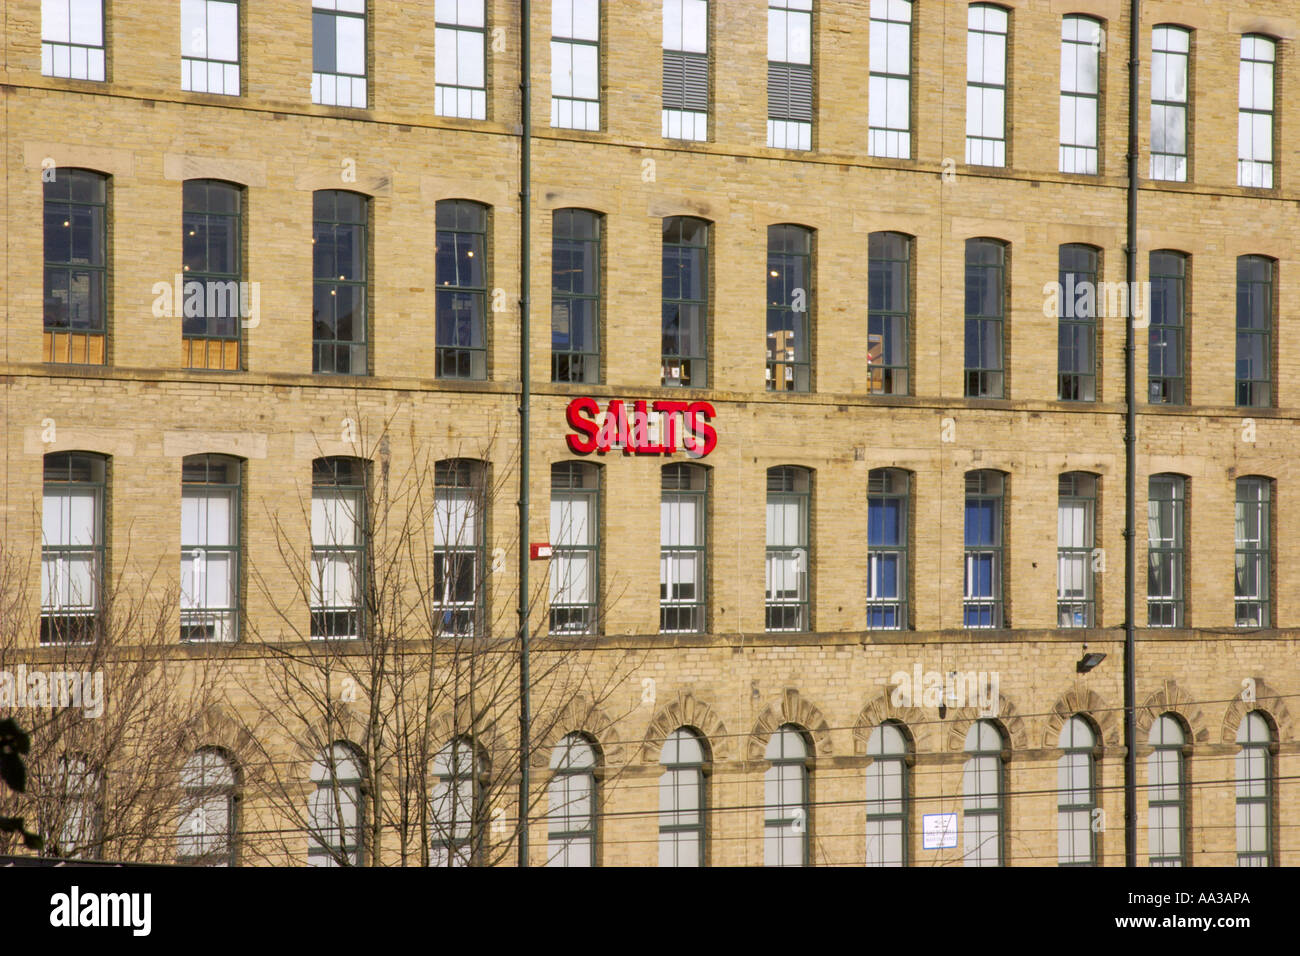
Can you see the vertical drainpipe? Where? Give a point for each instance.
(1130, 456)
(525, 397)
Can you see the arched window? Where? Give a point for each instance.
(1076, 378)
(986, 85)
(1256, 287)
(1170, 130)
(681, 800)
(338, 515)
(336, 812)
(210, 524)
(575, 295)
(1255, 105)
(571, 825)
(789, 305)
(1076, 529)
(1167, 340)
(215, 294)
(887, 796)
(76, 267)
(685, 301)
(1166, 794)
(1076, 785)
(458, 537)
(72, 546)
(786, 818)
(1081, 45)
(1254, 792)
(889, 312)
(460, 299)
(457, 816)
(205, 835)
(983, 789)
(789, 549)
(986, 310)
(340, 287)
(575, 544)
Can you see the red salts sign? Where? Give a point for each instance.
(646, 428)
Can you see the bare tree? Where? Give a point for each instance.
(385, 720)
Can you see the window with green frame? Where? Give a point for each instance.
(888, 571)
(338, 548)
(210, 543)
(336, 810)
(985, 315)
(789, 559)
(76, 267)
(575, 295)
(1076, 379)
(682, 803)
(460, 299)
(1255, 277)
(575, 547)
(889, 312)
(1076, 585)
(72, 547)
(1167, 793)
(1167, 551)
(1254, 559)
(1167, 339)
(789, 304)
(685, 302)
(1076, 789)
(458, 805)
(340, 288)
(1255, 791)
(458, 535)
(887, 795)
(573, 807)
(212, 223)
(683, 550)
(983, 795)
(786, 793)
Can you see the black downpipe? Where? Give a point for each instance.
(1130, 456)
(525, 399)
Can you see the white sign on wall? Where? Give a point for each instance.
(938, 831)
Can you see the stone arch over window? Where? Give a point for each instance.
(791, 709)
(1107, 722)
(1012, 725)
(1172, 699)
(580, 716)
(911, 721)
(1268, 702)
(685, 711)
(491, 748)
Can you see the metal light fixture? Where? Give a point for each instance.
(1088, 662)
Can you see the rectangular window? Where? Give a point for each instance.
(986, 86)
(72, 547)
(1080, 94)
(682, 515)
(575, 64)
(76, 243)
(887, 568)
(460, 59)
(1255, 113)
(575, 296)
(72, 39)
(789, 295)
(338, 502)
(338, 53)
(982, 597)
(685, 302)
(686, 70)
(212, 245)
(1166, 554)
(985, 310)
(1076, 379)
(1076, 527)
(1254, 332)
(789, 74)
(210, 46)
(1170, 48)
(788, 556)
(889, 94)
(458, 542)
(575, 543)
(1254, 553)
(460, 270)
(209, 548)
(889, 312)
(1167, 339)
(340, 283)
